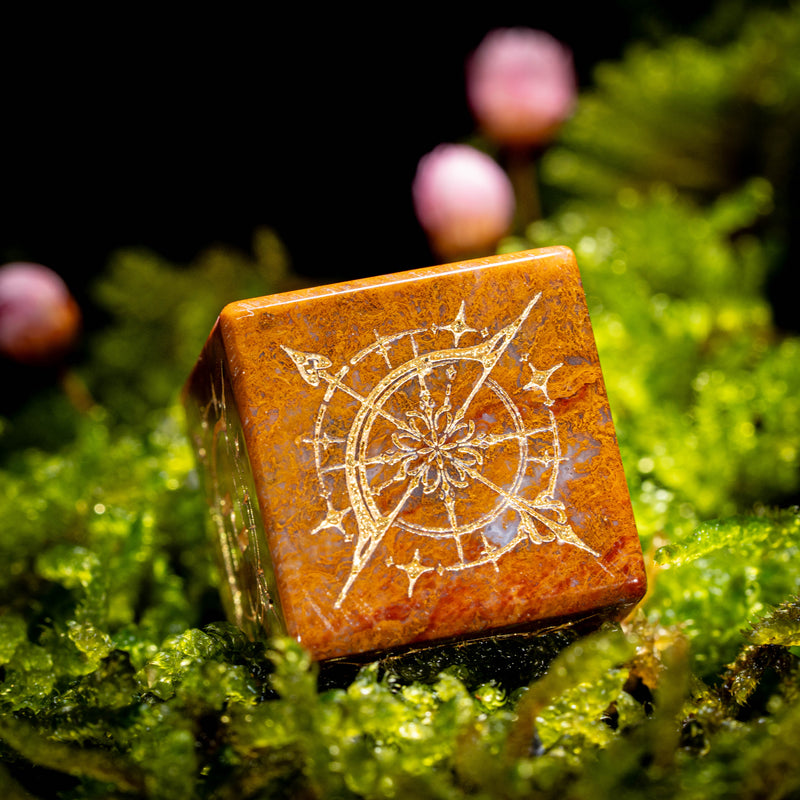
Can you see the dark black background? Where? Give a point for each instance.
(177, 132)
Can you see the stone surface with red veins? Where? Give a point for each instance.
(414, 458)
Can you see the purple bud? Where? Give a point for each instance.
(463, 200)
(39, 318)
(521, 86)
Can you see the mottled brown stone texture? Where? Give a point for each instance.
(415, 457)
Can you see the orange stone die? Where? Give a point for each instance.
(415, 458)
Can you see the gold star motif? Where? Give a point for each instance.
(458, 327)
(333, 519)
(415, 569)
(539, 379)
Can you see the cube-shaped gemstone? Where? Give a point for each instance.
(414, 458)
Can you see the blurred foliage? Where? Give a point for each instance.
(117, 678)
(698, 116)
(162, 314)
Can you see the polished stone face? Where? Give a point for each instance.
(415, 457)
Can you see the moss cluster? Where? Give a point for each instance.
(117, 677)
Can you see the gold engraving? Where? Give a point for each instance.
(417, 449)
(458, 327)
(414, 570)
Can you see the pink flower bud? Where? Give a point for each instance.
(521, 86)
(463, 200)
(39, 319)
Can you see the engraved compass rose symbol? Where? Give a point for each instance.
(423, 442)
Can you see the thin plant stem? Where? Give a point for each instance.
(521, 168)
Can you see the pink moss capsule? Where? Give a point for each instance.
(521, 86)
(463, 200)
(39, 318)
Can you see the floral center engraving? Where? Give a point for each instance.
(436, 449)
